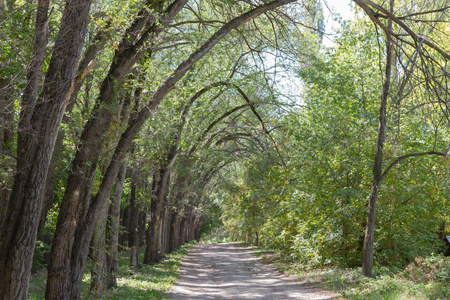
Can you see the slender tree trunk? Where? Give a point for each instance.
(153, 249)
(124, 236)
(134, 222)
(38, 128)
(98, 243)
(112, 258)
(173, 231)
(377, 168)
(98, 254)
(182, 237)
(166, 231)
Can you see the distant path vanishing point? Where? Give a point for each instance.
(227, 271)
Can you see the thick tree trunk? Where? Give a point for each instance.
(85, 65)
(38, 128)
(377, 167)
(112, 258)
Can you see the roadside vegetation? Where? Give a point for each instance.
(425, 278)
(144, 282)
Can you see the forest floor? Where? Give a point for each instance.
(229, 271)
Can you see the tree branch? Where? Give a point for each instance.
(417, 38)
(400, 158)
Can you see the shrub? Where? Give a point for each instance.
(435, 267)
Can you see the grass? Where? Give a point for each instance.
(426, 278)
(146, 282)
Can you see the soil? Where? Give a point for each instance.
(228, 271)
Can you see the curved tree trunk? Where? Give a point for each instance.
(86, 64)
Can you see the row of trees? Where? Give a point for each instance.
(106, 90)
(139, 115)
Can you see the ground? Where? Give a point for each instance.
(228, 271)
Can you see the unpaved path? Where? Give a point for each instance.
(227, 271)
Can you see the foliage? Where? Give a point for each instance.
(147, 282)
(388, 283)
(313, 209)
(433, 268)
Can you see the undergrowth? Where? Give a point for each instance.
(145, 282)
(425, 278)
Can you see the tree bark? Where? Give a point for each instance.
(174, 242)
(112, 258)
(98, 254)
(367, 262)
(86, 64)
(153, 249)
(38, 127)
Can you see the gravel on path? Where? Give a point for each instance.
(227, 271)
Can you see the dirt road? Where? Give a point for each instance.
(227, 271)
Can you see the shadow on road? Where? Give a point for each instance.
(227, 271)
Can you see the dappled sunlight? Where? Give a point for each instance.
(226, 271)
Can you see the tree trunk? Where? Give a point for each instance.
(98, 254)
(112, 258)
(377, 167)
(37, 131)
(124, 236)
(166, 230)
(85, 65)
(174, 231)
(153, 249)
(183, 230)
(134, 222)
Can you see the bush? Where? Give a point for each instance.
(433, 268)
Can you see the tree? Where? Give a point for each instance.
(36, 140)
(416, 42)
